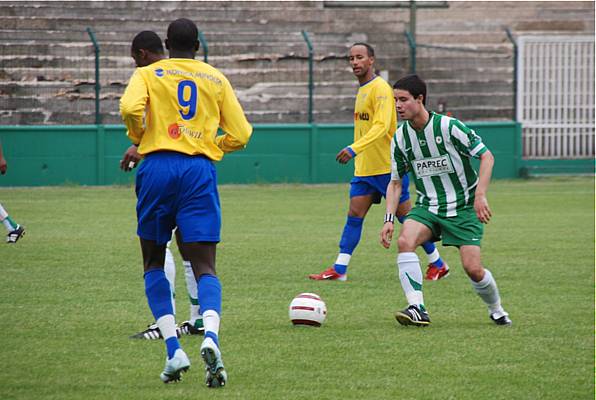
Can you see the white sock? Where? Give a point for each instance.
(211, 321)
(410, 276)
(170, 270)
(343, 259)
(191, 287)
(434, 256)
(5, 220)
(489, 293)
(167, 326)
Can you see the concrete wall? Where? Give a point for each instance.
(301, 153)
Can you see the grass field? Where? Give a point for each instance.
(72, 292)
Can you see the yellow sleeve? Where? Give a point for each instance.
(383, 109)
(132, 107)
(237, 130)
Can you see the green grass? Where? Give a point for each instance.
(71, 293)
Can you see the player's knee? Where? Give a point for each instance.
(405, 244)
(474, 270)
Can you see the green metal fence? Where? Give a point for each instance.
(468, 82)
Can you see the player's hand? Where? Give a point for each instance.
(343, 156)
(482, 209)
(130, 159)
(3, 165)
(387, 234)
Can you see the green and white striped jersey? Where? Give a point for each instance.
(439, 158)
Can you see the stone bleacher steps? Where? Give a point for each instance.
(259, 47)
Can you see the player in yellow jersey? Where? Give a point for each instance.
(173, 109)
(375, 122)
(146, 49)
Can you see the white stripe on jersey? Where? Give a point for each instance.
(476, 149)
(459, 135)
(450, 195)
(394, 174)
(429, 188)
(456, 157)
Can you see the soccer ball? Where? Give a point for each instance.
(308, 309)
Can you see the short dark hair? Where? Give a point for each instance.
(369, 49)
(182, 35)
(413, 84)
(147, 40)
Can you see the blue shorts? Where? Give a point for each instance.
(177, 190)
(377, 186)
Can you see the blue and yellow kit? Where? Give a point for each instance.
(190, 100)
(375, 120)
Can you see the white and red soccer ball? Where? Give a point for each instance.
(308, 309)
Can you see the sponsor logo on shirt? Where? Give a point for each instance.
(432, 166)
(174, 131)
(159, 72)
(361, 116)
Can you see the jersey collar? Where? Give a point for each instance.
(367, 82)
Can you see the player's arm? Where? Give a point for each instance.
(3, 164)
(394, 189)
(132, 107)
(233, 122)
(487, 161)
(384, 107)
(468, 143)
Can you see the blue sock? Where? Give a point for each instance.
(172, 344)
(349, 240)
(213, 337)
(159, 297)
(209, 295)
(429, 248)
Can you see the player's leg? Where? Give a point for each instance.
(157, 189)
(412, 234)
(14, 230)
(159, 297)
(362, 196)
(465, 231)
(170, 271)
(194, 325)
(152, 332)
(437, 268)
(199, 220)
(202, 259)
(483, 283)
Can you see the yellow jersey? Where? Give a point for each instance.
(375, 121)
(178, 104)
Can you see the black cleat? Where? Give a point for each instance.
(186, 328)
(151, 333)
(413, 315)
(15, 235)
(502, 320)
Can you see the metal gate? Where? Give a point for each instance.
(555, 96)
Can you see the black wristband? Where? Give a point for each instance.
(389, 218)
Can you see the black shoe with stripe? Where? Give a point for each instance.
(151, 333)
(502, 320)
(15, 235)
(413, 315)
